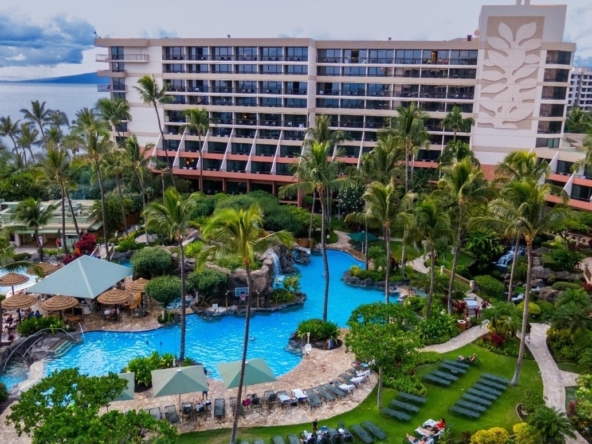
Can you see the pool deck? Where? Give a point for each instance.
(319, 367)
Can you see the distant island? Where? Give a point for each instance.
(89, 78)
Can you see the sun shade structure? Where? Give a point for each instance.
(179, 380)
(115, 297)
(137, 286)
(86, 278)
(360, 236)
(128, 391)
(59, 303)
(45, 267)
(12, 279)
(256, 372)
(19, 300)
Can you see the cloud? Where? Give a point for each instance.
(158, 33)
(58, 40)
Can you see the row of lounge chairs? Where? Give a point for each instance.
(403, 406)
(169, 413)
(449, 372)
(477, 399)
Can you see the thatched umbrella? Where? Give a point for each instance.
(138, 286)
(115, 297)
(59, 303)
(19, 300)
(45, 267)
(12, 279)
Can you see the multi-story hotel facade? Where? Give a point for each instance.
(511, 75)
(580, 88)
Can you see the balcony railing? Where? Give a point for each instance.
(103, 88)
(123, 58)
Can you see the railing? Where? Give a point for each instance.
(103, 88)
(122, 58)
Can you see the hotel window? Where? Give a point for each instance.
(246, 86)
(354, 71)
(464, 107)
(408, 56)
(352, 121)
(463, 73)
(116, 53)
(246, 101)
(271, 101)
(246, 69)
(297, 69)
(377, 104)
(381, 56)
(271, 69)
(247, 53)
(198, 53)
(174, 67)
(118, 67)
(328, 103)
(548, 110)
(353, 89)
(222, 68)
(463, 57)
(297, 88)
(329, 55)
(432, 57)
(549, 127)
(547, 143)
(554, 93)
(558, 57)
(223, 53)
(461, 92)
(222, 86)
(271, 87)
(352, 103)
(328, 70)
(173, 53)
(176, 85)
(328, 89)
(296, 103)
(556, 75)
(118, 84)
(273, 54)
(297, 54)
(355, 56)
(377, 72)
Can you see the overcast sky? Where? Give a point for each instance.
(46, 38)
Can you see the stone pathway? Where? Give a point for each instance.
(466, 337)
(419, 264)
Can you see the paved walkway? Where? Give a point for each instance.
(419, 264)
(466, 337)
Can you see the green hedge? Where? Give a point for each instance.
(489, 288)
(151, 262)
(142, 366)
(32, 325)
(209, 283)
(319, 330)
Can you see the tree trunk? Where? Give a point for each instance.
(387, 237)
(30, 152)
(454, 137)
(36, 234)
(379, 391)
(366, 240)
(117, 178)
(403, 251)
(201, 161)
(432, 281)
(162, 181)
(64, 246)
(311, 217)
(513, 269)
(455, 259)
(183, 324)
(103, 210)
(166, 151)
(72, 212)
(406, 169)
(243, 359)
(524, 330)
(324, 252)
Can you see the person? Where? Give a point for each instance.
(467, 358)
(9, 319)
(315, 425)
(414, 440)
(204, 394)
(199, 406)
(37, 314)
(440, 425)
(426, 431)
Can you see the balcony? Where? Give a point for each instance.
(140, 58)
(103, 88)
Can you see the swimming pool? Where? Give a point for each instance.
(212, 342)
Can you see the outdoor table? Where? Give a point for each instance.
(73, 319)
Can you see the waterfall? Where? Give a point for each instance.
(278, 277)
(508, 257)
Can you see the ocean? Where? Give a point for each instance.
(66, 97)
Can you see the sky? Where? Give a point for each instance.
(41, 38)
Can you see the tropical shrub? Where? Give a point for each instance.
(551, 425)
(208, 283)
(499, 344)
(547, 310)
(562, 286)
(375, 275)
(415, 303)
(142, 366)
(565, 258)
(281, 296)
(164, 289)
(489, 288)
(532, 401)
(193, 249)
(151, 262)
(581, 410)
(495, 435)
(319, 330)
(485, 246)
(524, 434)
(17, 257)
(438, 328)
(292, 283)
(533, 309)
(32, 325)
(128, 243)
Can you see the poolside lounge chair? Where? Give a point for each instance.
(436, 380)
(477, 399)
(284, 399)
(334, 390)
(299, 395)
(347, 388)
(411, 398)
(170, 411)
(352, 372)
(444, 375)
(313, 399)
(404, 406)
(476, 392)
(187, 410)
(219, 408)
(453, 368)
(495, 378)
(293, 439)
(364, 373)
(155, 412)
(486, 389)
(258, 441)
(493, 384)
(470, 405)
(456, 363)
(362, 434)
(374, 429)
(327, 396)
(395, 414)
(268, 397)
(471, 414)
(278, 440)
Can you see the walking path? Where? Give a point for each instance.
(419, 264)
(466, 337)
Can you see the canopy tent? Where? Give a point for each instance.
(86, 278)
(360, 236)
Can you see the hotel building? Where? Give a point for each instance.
(512, 76)
(580, 88)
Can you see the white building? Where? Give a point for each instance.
(580, 88)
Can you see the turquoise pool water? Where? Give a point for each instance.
(212, 342)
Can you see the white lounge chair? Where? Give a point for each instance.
(347, 387)
(299, 395)
(358, 379)
(365, 373)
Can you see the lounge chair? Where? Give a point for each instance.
(258, 441)
(155, 412)
(404, 417)
(284, 399)
(362, 434)
(404, 406)
(334, 390)
(345, 433)
(411, 398)
(374, 429)
(364, 373)
(477, 399)
(313, 399)
(187, 410)
(452, 369)
(476, 392)
(347, 388)
(486, 389)
(493, 384)
(444, 375)
(299, 395)
(219, 408)
(470, 405)
(352, 372)
(170, 411)
(245, 442)
(293, 439)
(495, 378)
(269, 396)
(471, 414)
(456, 363)
(327, 396)
(436, 380)
(278, 440)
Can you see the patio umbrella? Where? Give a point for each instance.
(128, 391)
(360, 236)
(19, 300)
(179, 380)
(12, 279)
(45, 267)
(256, 372)
(59, 303)
(114, 297)
(137, 286)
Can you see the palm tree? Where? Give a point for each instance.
(172, 217)
(32, 215)
(27, 138)
(198, 120)
(503, 319)
(522, 210)
(10, 129)
(463, 183)
(38, 115)
(456, 151)
(57, 119)
(455, 121)
(138, 162)
(152, 94)
(551, 425)
(92, 135)
(585, 161)
(240, 234)
(432, 227)
(578, 121)
(114, 111)
(115, 165)
(382, 206)
(317, 172)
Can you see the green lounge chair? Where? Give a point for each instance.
(334, 390)
(456, 363)
(404, 417)
(293, 439)
(411, 398)
(278, 440)
(219, 408)
(464, 412)
(347, 435)
(436, 380)
(471, 406)
(487, 389)
(453, 369)
(374, 429)
(362, 434)
(327, 396)
(481, 393)
(313, 399)
(477, 399)
(496, 378)
(404, 406)
(444, 375)
(492, 384)
(258, 441)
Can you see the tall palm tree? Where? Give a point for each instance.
(114, 111)
(316, 171)
(585, 161)
(522, 210)
(115, 165)
(517, 166)
(578, 121)
(455, 151)
(172, 217)
(240, 234)
(32, 215)
(464, 185)
(455, 121)
(10, 129)
(138, 162)
(38, 115)
(92, 136)
(152, 94)
(432, 227)
(27, 138)
(198, 120)
(57, 119)
(551, 426)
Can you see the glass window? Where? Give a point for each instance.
(296, 87)
(463, 57)
(223, 53)
(326, 88)
(354, 71)
(461, 92)
(463, 73)
(436, 57)
(273, 54)
(377, 72)
(297, 54)
(353, 89)
(408, 56)
(328, 70)
(271, 69)
(328, 103)
(222, 68)
(271, 87)
(246, 69)
(355, 56)
(198, 53)
(246, 101)
(246, 86)
(377, 89)
(297, 69)
(271, 101)
(556, 75)
(558, 57)
(352, 103)
(174, 67)
(196, 69)
(247, 53)
(296, 103)
(329, 55)
(173, 53)
(381, 56)
(118, 67)
(554, 93)
(549, 110)
(116, 53)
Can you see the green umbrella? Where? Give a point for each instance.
(128, 391)
(360, 236)
(179, 380)
(256, 372)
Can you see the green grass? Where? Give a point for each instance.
(396, 249)
(570, 367)
(501, 414)
(464, 260)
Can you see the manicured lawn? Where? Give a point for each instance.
(501, 413)
(396, 249)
